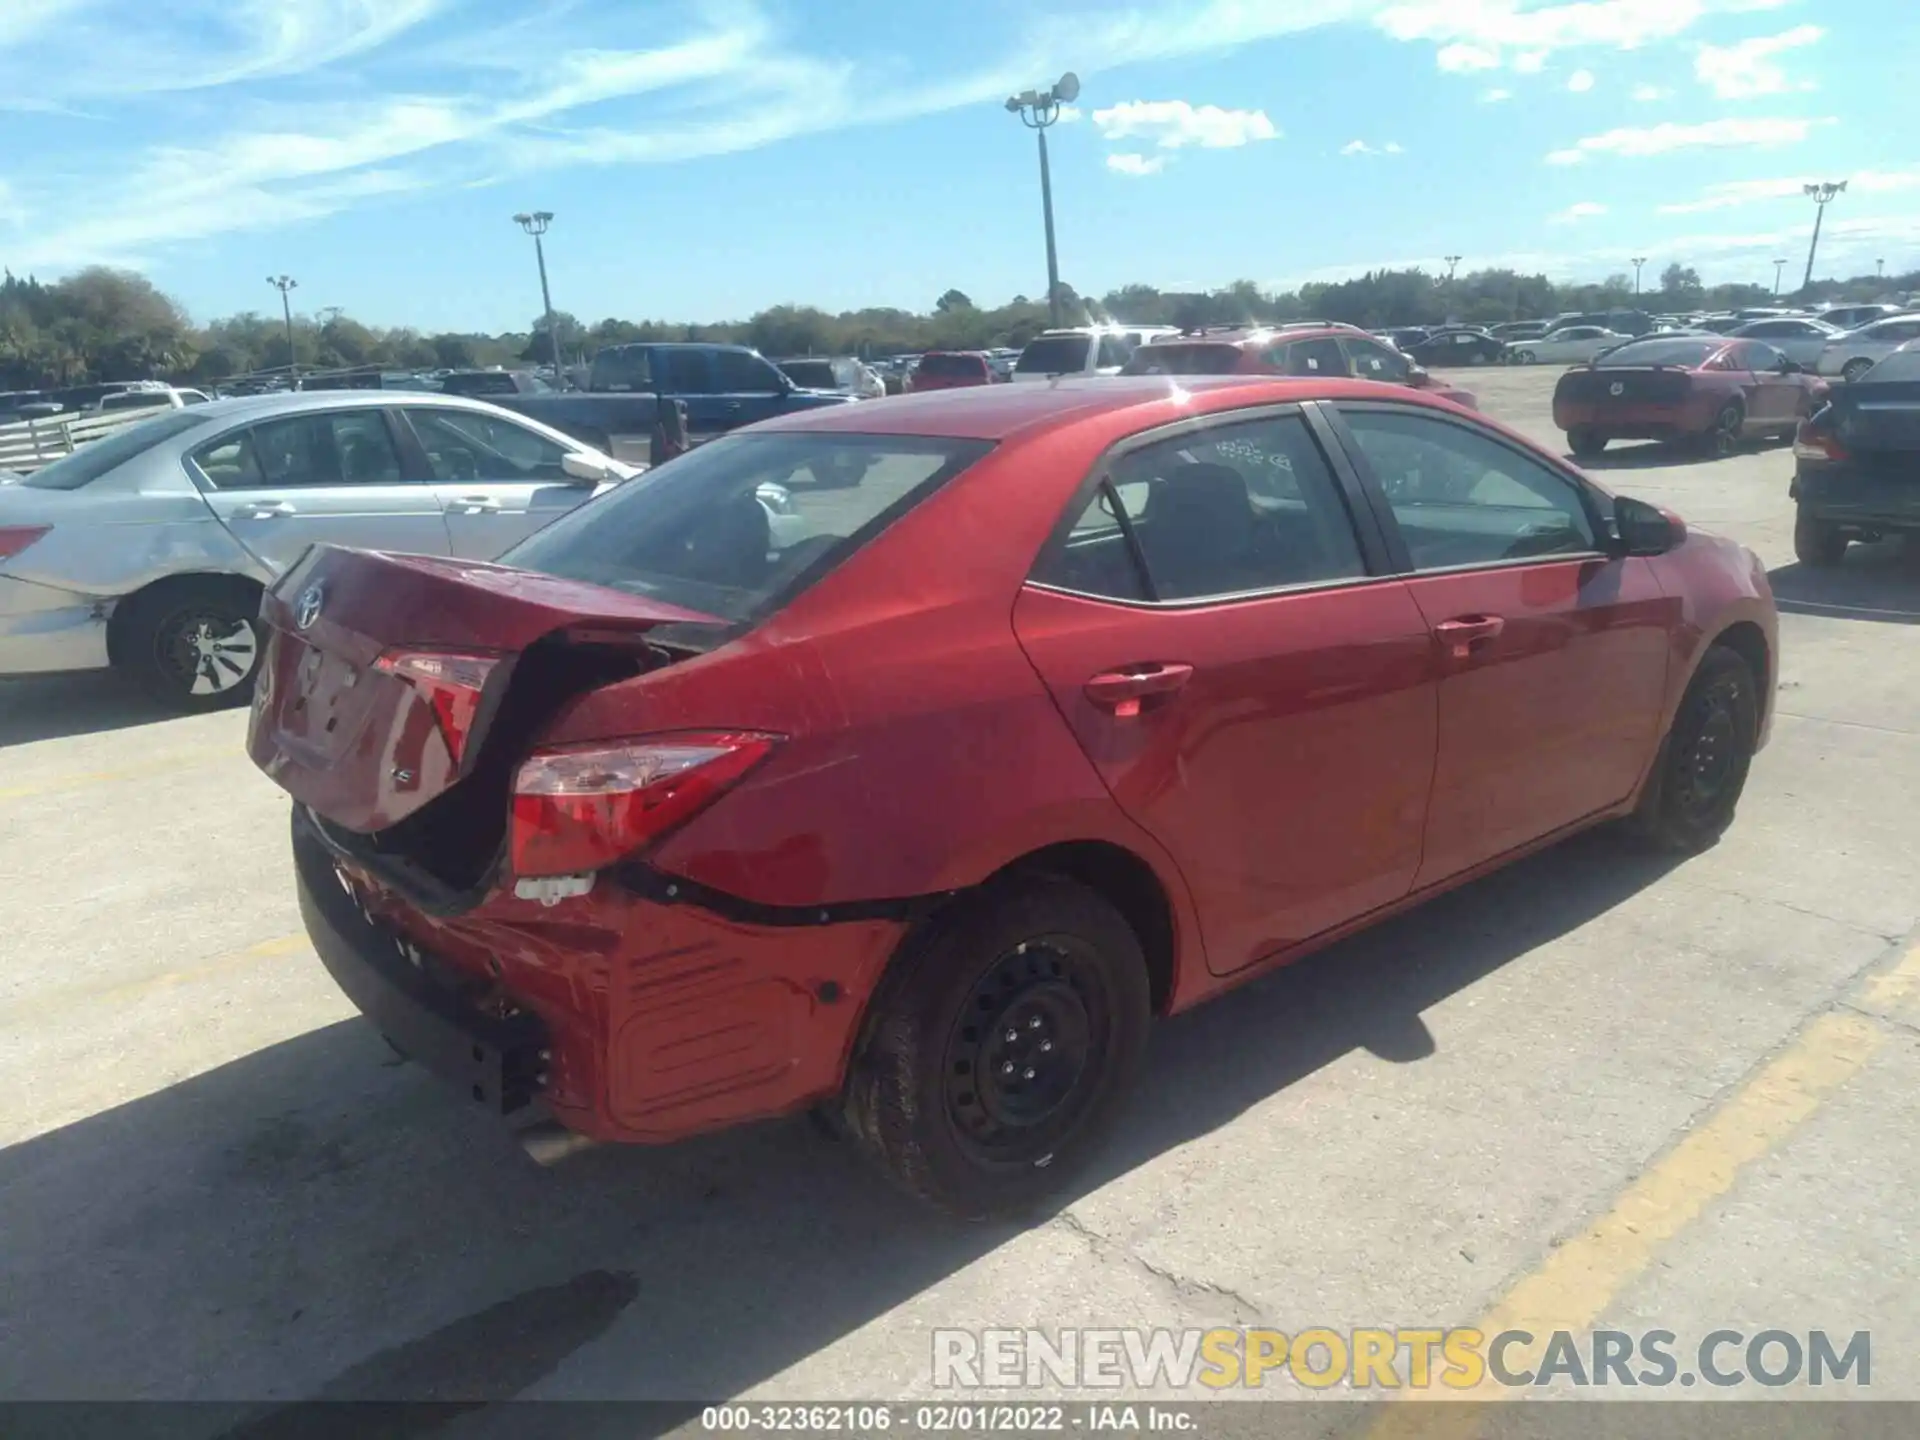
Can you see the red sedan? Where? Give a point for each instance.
(1682, 388)
(905, 760)
(949, 370)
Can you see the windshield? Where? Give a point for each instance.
(91, 461)
(1690, 354)
(1053, 355)
(739, 525)
(1183, 360)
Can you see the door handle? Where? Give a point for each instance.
(1462, 634)
(478, 505)
(1122, 691)
(266, 510)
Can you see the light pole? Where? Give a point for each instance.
(535, 224)
(1778, 266)
(1821, 195)
(1638, 261)
(284, 284)
(1879, 269)
(1037, 110)
(1453, 263)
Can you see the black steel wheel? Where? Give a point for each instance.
(999, 1046)
(1702, 768)
(1818, 543)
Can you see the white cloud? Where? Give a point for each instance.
(1127, 163)
(1176, 124)
(1729, 194)
(1661, 139)
(1746, 69)
(1361, 147)
(1480, 34)
(1584, 210)
(1580, 81)
(1646, 94)
(1495, 96)
(1070, 115)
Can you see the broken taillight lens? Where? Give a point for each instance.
(15, 538)
(450, 683)
(580, 809)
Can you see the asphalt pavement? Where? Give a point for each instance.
(1597, 1090)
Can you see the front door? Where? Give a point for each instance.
(498, 481)
(1552, 655)
(749, 387)
(1773, 399)
(1249, 692)
(326, 476)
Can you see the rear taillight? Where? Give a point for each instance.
(15, 538)
(580, 809)
(450, 683)
(1814, 442)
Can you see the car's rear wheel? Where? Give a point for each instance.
(1855, 368)
(1702, 767)
(1724, 438)
(193, 645)
(1523, 357)
(1816, 542)
(1000, 1045)
(1586, 442)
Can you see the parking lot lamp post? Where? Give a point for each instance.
(284, 284)
(1037, 110)
(1879, 269)
(1453, 263)
(535, 224)
(1821, 195)
(1638, 261)
(1778, 266)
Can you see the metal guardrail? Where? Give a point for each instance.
(26, 445)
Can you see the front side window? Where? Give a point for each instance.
(336, 447)
(1374, 361)
(739, 524)
(1235, 508)
(466, 445)
(1114, 352)
(1462, 498)
(742, 372)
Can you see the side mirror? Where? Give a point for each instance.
(587, 469)
(1645, 529)
(1418, 377)
(1787, 367)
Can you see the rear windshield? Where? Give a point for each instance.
(741, 524)
(1183, 360)
(1901, 365)
(136, 400)
(1688, 353)
(496, 382)
(97, 457)
(814, 374)
(1053, 355)
(971, 365)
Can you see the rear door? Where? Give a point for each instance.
(1214, 624)
(332, 476)
(498, 481)
(1552, 655)
(686, 374)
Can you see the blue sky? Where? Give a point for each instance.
(707, 158)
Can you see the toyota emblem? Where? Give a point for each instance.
(306, 609)
(1617, 388)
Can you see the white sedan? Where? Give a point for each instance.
(1565, 347)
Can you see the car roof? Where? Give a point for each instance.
(1000, 412)
(1244, 335)
(295, 402)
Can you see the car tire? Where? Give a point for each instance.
(1586, 442)
(1818, 544)
(1523, 357)
(1724, 438)
(1855, 368)
(950, 1108)
(1702, 766)
(193, 645)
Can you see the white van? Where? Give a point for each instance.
(1084, 350)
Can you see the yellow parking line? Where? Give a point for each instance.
(160, 765)
(1580, 1278)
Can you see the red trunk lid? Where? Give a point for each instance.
(365, 746)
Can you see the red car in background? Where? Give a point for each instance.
(1044, 710)
(950, 370)
(1704, 389)
(1290, 350)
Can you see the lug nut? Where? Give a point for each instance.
(1007, 1069)
(1028, 1075)
(1034, 1023)
(1046, 1047)
(1013, 1035)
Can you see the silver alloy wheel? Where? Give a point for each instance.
(212, 654)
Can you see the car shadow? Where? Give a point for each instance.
(316, 1220)
(1879, 582)
(1654, 454)
(51, 707)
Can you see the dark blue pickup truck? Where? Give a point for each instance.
(722, 386)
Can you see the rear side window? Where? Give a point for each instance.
(1113, 352)
(683, 372)
(1054, 355)
(1312, 357)
(738, 526)
(1463, 499)
(334, 447)
(1235, 508)
(97, 457)
(622, 368)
